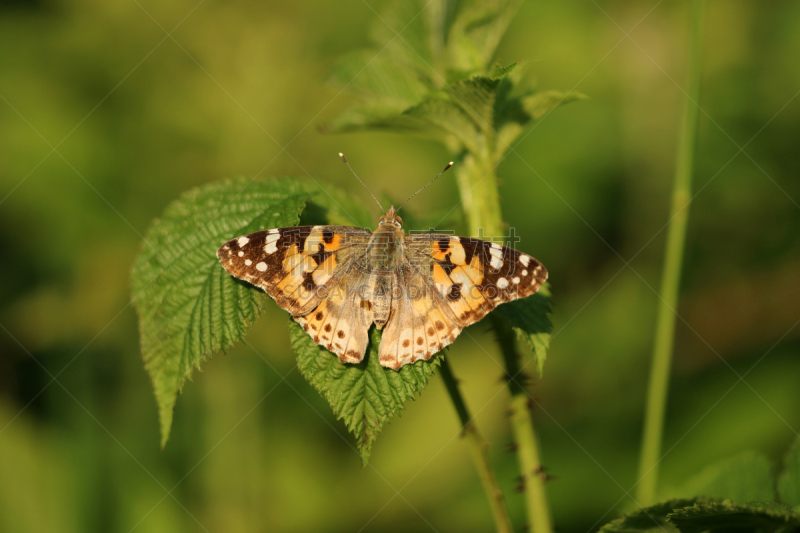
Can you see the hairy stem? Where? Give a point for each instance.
(477, 182)
(533, 474)
(477, 447)
(673, 258)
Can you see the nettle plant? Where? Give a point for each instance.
(433, 73)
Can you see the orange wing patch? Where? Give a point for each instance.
(473, 276)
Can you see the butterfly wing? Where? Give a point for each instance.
(449, 283)
(475, 276)
(420, 323)
(342, 319)
(295, 266)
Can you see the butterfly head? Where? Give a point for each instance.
(391, 218)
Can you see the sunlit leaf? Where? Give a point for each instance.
(539, 104)
(332, 205)
(431, 71)
(653, 518)
(445, 116)
(723, 517)
(365, 396)
(475, 33)
(375, 78)
(529, 317)
(409, 32)
(189, 306)
(476, 96)
(743, 478)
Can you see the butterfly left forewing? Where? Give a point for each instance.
(295, 266)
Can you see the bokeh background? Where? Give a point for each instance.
(110, 109)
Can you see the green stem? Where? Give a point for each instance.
(533, 475)
(477, 447)
(668, 296)
(478, 186)
(477, 183)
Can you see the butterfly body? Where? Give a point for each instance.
(421, 289)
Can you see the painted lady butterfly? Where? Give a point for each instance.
(422, 289)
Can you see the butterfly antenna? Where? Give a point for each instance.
(361, 182)
(450, 164)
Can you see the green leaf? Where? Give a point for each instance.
(539, 104)
(399, 73)
(743, 478)
(188, 306)
(724, 517)
(475, 33)
(332, 205)
(410, 33)
(442, 115)
(789, 480)
(379, 83)
(500, 72)
(652, 518)
(476, 96)
(366, 395)
(530, 320)
(517, 107)
(400, 84)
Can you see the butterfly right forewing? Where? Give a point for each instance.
(474, 276)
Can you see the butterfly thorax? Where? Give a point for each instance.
(384, 257)
(385, 249)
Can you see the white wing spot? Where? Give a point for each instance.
(515, 280)
(496, 246)
(261, 267)
(502, 283)
(496, 263)
(524, 272)
(272, 242)
(247, 262)
(241, 241)
(241, 254)
(272, 231)
(496, 253)
(524, 259)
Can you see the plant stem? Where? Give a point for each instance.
(673, 258)
(477, 182)
(533, 475)
(477, 447)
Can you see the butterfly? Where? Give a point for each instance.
(421, 289)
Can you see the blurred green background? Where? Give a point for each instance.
(106, 117)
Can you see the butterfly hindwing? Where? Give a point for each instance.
(420, 325)
(341, 321)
